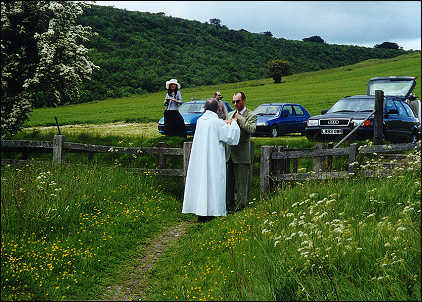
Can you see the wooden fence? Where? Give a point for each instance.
(59, 147)
(276, 161)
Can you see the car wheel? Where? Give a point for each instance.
(274, 131)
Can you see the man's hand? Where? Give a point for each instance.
(236, 115)
(229, 121)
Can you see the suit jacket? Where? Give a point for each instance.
(240, 154)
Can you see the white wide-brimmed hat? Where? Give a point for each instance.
(172, 81)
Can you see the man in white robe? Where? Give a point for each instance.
(205, 188)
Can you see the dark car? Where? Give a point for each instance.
(400, 124)
(280, 118)
(191, 112)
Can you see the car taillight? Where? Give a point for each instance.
(367, 123)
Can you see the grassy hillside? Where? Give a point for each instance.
(315, 90)
(139, 51)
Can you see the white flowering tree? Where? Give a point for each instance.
(42, 55)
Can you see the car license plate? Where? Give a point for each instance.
(331, 131)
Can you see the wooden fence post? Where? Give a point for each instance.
(264, 169)
(295, 165)
(250, 178)
(330, 157)
(58, 155)
(353, 150)
(286, 163)
(161, 156)
(318, 160)
(379, 118)
(187, 147)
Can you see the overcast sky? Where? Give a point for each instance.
(363, 23)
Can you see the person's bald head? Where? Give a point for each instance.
(211, 104)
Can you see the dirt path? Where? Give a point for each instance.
(132, 286)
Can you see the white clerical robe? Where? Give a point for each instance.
(205, 188)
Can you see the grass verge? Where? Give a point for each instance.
(66, 229)
(356, 239)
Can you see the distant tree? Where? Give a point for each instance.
(316, 39)
(387, 45)
(216, 22)
(42, 56)
(277, 69)
(268, 34)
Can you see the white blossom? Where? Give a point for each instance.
(41, 52)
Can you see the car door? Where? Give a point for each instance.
(406, 122)
(289, 120)
(300, 119)
(392, 121)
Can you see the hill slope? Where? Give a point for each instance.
(139, 51)
(315, 90)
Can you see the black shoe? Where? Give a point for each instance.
(202, 218)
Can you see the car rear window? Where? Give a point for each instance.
(298, 110)
(400, 108)
(289, 108)
(407, 109)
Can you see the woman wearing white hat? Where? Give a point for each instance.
(173, 97)
(174, 124)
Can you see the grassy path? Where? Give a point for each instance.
(134, 281)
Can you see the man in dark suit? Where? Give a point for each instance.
(239, 157)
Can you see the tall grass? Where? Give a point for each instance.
(356, 239)
(314, 90)
(66, 229)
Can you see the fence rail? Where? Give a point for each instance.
(275, 163)
(59, 147)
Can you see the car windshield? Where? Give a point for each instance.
(353, 105)
(399, 88)
(267, 110)
(192, 108)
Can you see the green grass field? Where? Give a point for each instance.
(314, 90)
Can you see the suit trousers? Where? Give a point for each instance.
(237, 185)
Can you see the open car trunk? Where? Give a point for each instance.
(392, 86)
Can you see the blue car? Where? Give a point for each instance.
(275, 119)
(400, 124)
(191, 112)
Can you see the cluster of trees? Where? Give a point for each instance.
(388, 45)
(315, 39)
